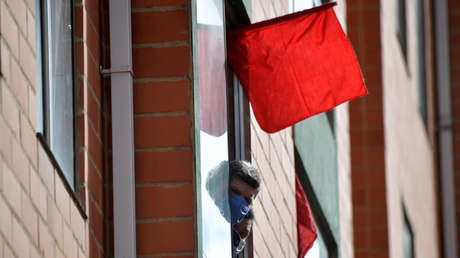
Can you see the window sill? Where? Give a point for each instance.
(72, 194)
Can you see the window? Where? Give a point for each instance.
(421, 89)
(222, 126)
(408, 236)
(210, 88)
(325, 246)
(298, 5)
(238, 110)
(331, 119)
(56, 123)
(401, 27)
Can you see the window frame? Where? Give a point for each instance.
(239, 140)
(200, 233)
(407, 225)
(43, 123)
(422, 100)
(401, 30)
(239, 136)
(43, 101)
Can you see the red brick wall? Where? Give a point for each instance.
(163, 124)
(454, 31)
(367, 135)
(90, 136)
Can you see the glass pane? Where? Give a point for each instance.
(316, 145)
(407, 239)
(322, 248)
(215, 208)
(319, 248)
(60, 85)
(299, 5)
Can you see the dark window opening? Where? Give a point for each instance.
(421, 89)
(401, 27)
(1, 73)
(331, 119)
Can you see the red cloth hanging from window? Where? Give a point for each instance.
(306, 229)
(295, 66)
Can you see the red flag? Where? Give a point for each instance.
(306, 229)
(295, 66)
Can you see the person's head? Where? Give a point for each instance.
(244, 180)
(244, 186)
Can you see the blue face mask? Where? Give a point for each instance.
(239, 208)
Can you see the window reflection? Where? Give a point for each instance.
(58, 84)
(216, 235)
(215, 207)
(217, 188)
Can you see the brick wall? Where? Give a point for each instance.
(39, 218)
(275, 230)
(454, 33)
(370, 232)
(163, 124)
(392, 157)
(90, 133)
(410, 170)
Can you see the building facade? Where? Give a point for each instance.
(114, 114)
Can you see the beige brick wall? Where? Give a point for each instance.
(37, 216)
(410, 173)
(275, 230)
